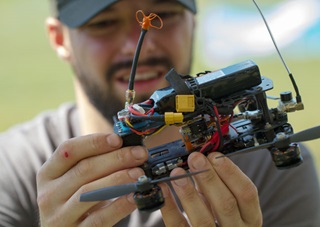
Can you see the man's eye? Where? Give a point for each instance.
(103, 24)
(102, 27)
(168, 15)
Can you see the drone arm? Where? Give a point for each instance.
(248, 150)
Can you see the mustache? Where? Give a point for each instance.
(153, 61)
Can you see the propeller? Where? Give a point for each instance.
(305, 135)
(143, 184)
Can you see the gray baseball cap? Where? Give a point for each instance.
(75, 13)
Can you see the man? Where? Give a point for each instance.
(73, 150)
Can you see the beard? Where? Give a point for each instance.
(104, 98)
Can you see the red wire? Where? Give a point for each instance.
(215, 139)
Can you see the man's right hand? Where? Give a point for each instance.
(84, 164)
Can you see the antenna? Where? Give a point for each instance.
(145, 24)
(298, 97)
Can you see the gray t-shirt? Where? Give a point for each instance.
(287, 197)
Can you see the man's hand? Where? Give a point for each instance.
(83, 164)
(222, 195)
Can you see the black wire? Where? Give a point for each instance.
(135, 60)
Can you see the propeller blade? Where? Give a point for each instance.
(306, 135)
(166, 179)
(248, 150)
(108, 192)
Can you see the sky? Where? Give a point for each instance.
(233, 30)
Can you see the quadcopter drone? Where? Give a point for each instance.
(204, 108)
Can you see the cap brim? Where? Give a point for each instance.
(77, 13)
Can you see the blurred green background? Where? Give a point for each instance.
(33, 79)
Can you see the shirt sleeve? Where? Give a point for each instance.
(18, 190)
(23, 150)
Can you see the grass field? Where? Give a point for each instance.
(33, 79)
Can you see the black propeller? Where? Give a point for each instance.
(143, 184)
(305, 135)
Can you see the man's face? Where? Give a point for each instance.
(102, 52)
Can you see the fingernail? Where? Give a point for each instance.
(135, 173)
(181, 182)
(113, 140)
(138, 152)
(199, 162)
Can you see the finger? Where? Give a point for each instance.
(171, 214)
(96, 167)
(222, 201)
(79, 209)
(73, 150)
(241, 187)
(71, 209)
(110, 214)
(191, 201)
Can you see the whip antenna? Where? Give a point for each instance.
(298, 97)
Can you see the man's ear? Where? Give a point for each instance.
(57, 38)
